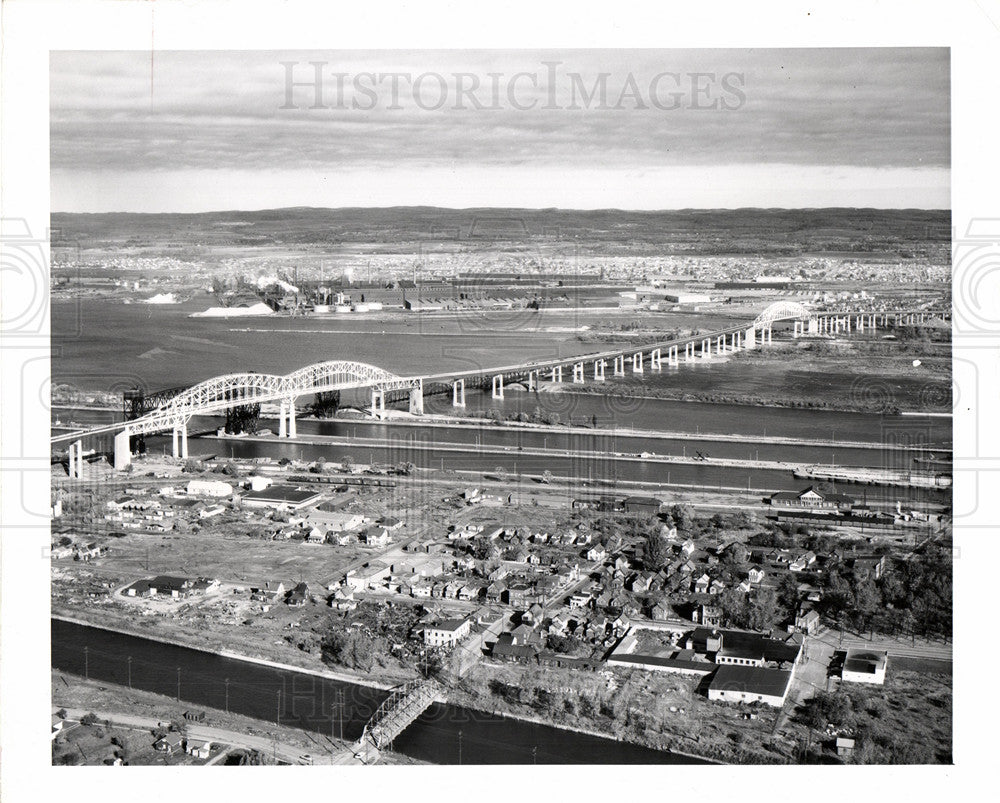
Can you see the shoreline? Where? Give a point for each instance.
(440, 421)
(225, 653)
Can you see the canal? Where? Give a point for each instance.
(444, 734)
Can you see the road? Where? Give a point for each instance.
(895, 646)
(286, 752)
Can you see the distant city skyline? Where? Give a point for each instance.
(586, 129)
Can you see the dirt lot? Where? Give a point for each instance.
(663, 711)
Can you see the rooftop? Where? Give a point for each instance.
(751, 679)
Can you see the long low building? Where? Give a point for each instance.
(750, 684)
(286, 496)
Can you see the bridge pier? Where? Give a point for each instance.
(76, 460)
(637, 363)
(619, 367)
(688, 352)
(498, 386)
(458, 392)
(656, 360)
(813, 326)
(180, 441)
(292, 433)
(123, 450)
(599, 366)
(283, 419)
(750, 339)
(532, 381)
(720, 344)
(417, 398)
(672, 360)
(706, 348)
(557, 374)
(378, 403)
(798, 329)
(578, 373)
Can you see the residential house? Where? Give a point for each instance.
(447, 632)
(198, 748)
(807, 621)
(169, 744)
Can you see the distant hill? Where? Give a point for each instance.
(904, 232)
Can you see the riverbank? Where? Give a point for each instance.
(660, 712)
(341, 677)
(439, 421)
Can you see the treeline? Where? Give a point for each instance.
(912, 597)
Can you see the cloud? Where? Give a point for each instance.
(197, 112)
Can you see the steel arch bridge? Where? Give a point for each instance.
(223, 392)
(782, 311)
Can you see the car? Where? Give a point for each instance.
(305, 758)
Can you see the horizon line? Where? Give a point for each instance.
(524, 208)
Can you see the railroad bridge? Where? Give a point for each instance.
(172, 409)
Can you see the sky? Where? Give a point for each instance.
(195, 131)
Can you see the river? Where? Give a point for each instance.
(710, 427)
(309, 702)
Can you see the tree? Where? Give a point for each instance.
(654, 551)
(735, 609)
(763, 611)
(683, 516)
(347, 462)
(547, 476)
(788, 593)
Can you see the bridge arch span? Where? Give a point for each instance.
(223, 392)
(782, 311)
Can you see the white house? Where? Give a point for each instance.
(865, 666)
(214, 488)
(447, 632)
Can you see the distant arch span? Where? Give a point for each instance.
(782, 311)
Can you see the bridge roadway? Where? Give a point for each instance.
(225, 392)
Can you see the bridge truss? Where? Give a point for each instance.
(398, 711)
(232, 390)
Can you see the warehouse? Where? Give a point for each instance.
(750, 684)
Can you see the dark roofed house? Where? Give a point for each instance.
(645, 505)
(506, 650)
(298, 596)
(750, 684)
(168, 586)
